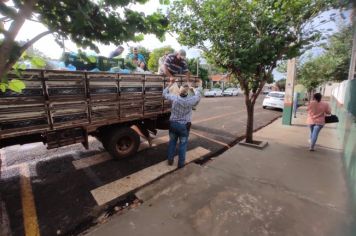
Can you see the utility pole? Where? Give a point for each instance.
(288, 99)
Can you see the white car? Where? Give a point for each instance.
(213, 92)
(274, 99)
(231, 92)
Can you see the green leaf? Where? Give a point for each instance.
(22, 66)
(3, 87)
(139, 38)
(38, 62)
(24, 55)
(92, 59)
(164, 2)
(16, 85)
(18, 74)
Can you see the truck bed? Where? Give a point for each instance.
(55, 100)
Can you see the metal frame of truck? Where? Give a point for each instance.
(61, 108)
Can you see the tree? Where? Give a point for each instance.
(203, 73)
(338, 53)
(332, 65)
(85, 22)
(233, 82)
(314, 72)
(247, 37)
(281, 84)
(157, 53)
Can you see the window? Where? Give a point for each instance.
(276, 95)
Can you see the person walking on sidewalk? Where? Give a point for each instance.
(316, 118)
(180, 120)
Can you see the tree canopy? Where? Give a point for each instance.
(85, 22)
(247, 37)
(331, 65)
(202, 73)
(281, 84)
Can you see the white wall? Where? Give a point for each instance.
(339, 92)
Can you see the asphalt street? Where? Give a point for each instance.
(62, 180)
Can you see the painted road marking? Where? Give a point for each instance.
(113, 190)
(210, 139)
(28, 203)
(223, 115)
(103, 157)
(213, 118)
(2, 159)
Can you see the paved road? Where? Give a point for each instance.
(54, 190)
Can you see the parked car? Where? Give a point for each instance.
(231, 92)
(274, 100)
(213, 92)
(266, 91)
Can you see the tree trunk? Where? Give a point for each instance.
(249, 126)
(8, 43)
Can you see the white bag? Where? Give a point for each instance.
(174, 89)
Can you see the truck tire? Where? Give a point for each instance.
(122, 142)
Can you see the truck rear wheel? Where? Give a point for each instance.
(121, 142)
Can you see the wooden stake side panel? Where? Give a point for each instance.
(32, 94)
(63, 99)
(65, 86)
(103, 110)
(16, 119)
(131, 96)
(104, 96)
(69, 113)
(103, 87)
(67, 98)
(154, 86)
(25, 110)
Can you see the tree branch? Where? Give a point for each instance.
(6, 47)
(11, 62)
(4, 19)
(20, 18)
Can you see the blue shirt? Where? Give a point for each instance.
(139, 57)
(174, 65)
(181, 111)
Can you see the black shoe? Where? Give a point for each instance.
(179, 167)
(170, 162)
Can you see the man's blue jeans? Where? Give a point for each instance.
(178, 131)
(314, 132)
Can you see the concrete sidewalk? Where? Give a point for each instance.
(282, 190)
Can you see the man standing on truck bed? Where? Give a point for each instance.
(175, 64)
(180, 120)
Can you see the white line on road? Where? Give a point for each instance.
(214, 117)
(2, 159)
(210, 139)
(113, 190)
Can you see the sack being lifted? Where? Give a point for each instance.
(174, 89)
